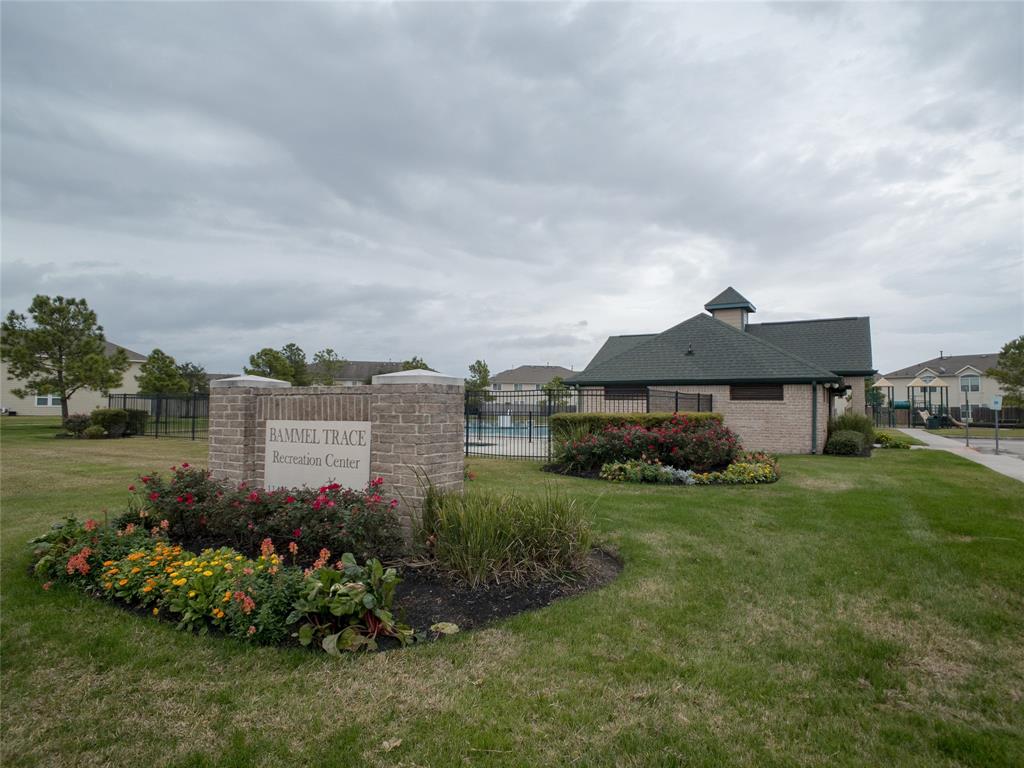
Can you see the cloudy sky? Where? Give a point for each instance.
(512, 182)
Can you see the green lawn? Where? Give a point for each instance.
(980, 432)
(858, 612)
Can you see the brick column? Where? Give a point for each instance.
(418, 431)
(233, 426)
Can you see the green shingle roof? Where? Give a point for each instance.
(721, 354)
(730, 298)
(616, 345)
(840, 344)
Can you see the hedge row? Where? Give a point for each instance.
(565, 425)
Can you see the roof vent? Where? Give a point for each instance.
(689, 349)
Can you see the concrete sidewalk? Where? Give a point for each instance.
(1004, 464)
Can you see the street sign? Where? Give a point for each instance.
(997, 402)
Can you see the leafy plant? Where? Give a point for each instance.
(94, 432)
(565, 425)
(886, 440)
(136, 422)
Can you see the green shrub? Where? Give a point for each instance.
(569, 425)
(113, 420)
(853, 422)
(77, 423)
(95, 432)
(136, 422)
(485, 536)
(845, 442)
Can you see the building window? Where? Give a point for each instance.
(48, 400)
(625, 393)
(755, 392)
(496, 387)
(536, 386)
(518, 387)
(970, 382)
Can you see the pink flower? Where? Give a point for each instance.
(90, 525)
(266, 547)
(297, 533)
(47, 585)
(131, 487)
(184, 465)
(293, 548)
(154, 496)
(254, 496)
(164, 524)
(251, 630)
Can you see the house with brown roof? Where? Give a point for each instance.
(965, 377)
(776, 384)
(527, 378)
(82, 401)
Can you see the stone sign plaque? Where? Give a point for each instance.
(315, 453)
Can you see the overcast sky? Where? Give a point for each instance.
(512, 182)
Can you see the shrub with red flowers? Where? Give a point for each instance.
(697, 444)
(198, 511)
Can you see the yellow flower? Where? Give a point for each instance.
(107, 585)
(227, 596)
(113, 571)
(174, 574)
(148, 588)
(179, 582)
(136, 569)
(156, 611)
(192, 593)
(207, 573)
(122, 582)
(108, 562)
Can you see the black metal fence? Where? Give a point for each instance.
(981, 416)
(517, 424)
(186, 416)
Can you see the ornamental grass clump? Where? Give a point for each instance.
(343, 606)
(485, 536)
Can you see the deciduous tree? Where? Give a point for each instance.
(327, 366)
(271, 363)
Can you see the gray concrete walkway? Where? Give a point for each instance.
(1005, 464)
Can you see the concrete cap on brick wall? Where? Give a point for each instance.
(257, 382)
(416, 377)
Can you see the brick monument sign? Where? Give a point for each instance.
(269, 434)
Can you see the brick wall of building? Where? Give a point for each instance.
(858, 403)
(414, 428)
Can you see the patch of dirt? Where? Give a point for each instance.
(425, 597)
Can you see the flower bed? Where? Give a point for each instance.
(343, 606)
(746, 469)
(199, 512)
(689, 443)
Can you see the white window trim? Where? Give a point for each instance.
(50, 401)
(975, 378)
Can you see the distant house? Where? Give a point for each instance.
(776, 384)
(82, 401)
(527, 377)
(356, 372)
(958, 372)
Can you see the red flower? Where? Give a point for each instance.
(154, 496)
(297, 533)
(90, 525)
(131, 487)
(184, 465)
(289, 500)
(254, 496)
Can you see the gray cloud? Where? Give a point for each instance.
(462, 181)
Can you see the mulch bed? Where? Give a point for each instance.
(425, 597)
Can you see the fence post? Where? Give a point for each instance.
(193, 405)
(648, 400)
(156, 427)
(530, 426)
(677, 401)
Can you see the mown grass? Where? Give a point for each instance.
(858, 612)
